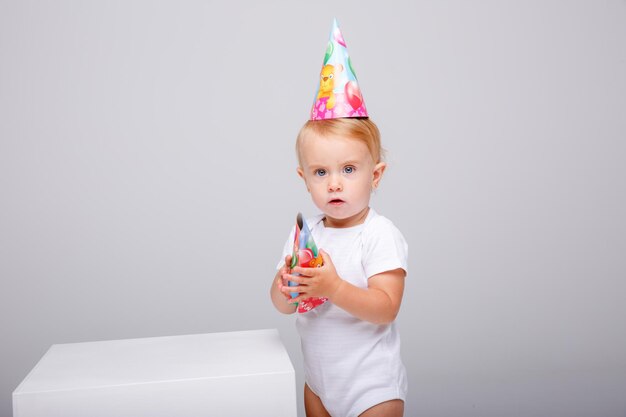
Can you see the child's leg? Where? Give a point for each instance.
(393, 408)
(313, 405)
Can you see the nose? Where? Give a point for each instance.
(334, 184)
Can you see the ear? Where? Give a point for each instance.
(301, 175)
(379, 170)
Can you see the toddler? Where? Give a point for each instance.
(350, 344)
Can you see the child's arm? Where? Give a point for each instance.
(378, 304)
(280, 298)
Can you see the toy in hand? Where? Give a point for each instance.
(305, 255)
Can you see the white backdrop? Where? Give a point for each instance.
(147, 182)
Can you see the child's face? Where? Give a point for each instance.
(340, 174)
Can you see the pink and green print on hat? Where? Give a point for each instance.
(338, 94)
(305, 255)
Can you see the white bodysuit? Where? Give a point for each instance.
(352, 364)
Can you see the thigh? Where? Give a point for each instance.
(393, 408)
(313, 405)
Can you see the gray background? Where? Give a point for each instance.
(147, 182)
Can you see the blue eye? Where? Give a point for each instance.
(320, 172)
(348, 169)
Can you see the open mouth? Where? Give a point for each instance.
(336, 201)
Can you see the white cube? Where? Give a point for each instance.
(234, 374)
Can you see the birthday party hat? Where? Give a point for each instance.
(338, 93)
(306, 255)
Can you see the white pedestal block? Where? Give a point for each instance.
(235, 374)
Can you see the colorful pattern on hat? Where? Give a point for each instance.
(338, 93)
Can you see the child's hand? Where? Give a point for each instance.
(281, 282)
(314, 282)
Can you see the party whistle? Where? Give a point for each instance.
(305, 255)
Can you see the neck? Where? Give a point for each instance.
(355, 220)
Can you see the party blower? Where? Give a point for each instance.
(305, 255)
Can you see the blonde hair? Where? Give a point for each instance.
(362, 129)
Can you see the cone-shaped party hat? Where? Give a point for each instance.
(306, 255)
(338, 93)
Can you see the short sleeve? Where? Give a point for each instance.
(287, 249)
(384, 247)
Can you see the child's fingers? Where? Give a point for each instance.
(295, 283)
(284, 271)
(280, 283)
(294, 278)
(285, 291)
(283, 286)
(289, 290)
(307, 272)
